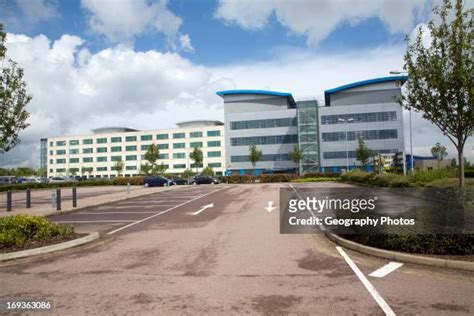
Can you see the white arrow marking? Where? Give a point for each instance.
(270, 207)
(203, 208)
(386, 269)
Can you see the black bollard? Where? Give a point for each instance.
(9, 201)
(58, 199)
(74, 197)
(28, 198)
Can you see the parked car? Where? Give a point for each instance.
(179, 181)
(7, 180)
(204, 179)
(157, 181)
(32, 180)
(57, 180)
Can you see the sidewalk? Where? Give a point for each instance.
(41, 201)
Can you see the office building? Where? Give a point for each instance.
(96, 154)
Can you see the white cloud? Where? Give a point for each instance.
(123, 20)
(38, 10)
(75, 90)
(317, 19)
(185, 42)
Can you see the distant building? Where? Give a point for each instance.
(95, 155)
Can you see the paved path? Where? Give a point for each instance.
(228, 259)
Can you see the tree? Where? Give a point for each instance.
(439, 151)
(441, 76)
(296, 155)
(161, 168)
(196, 155)
(118, 167)
(363, 153)
(13, 100)
(254, 155)
(152, 155)
(145, 168)
(208, 171)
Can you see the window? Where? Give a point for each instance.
(73, 142)
(179, 135)
(101, 140)
(195, 134)
(195, 144)
(162, 136)
(146, 137)
(179, 166)
(101, 168)
(163, 146)
(74, 160)
(87, 142)
(51, 144)
(131, 148)
(61, 143)
(268, 123)
(61, 160)
(131, 168)
(116, 149)
(215, 143)
(131, 138)
(87, 159)
(352, 153)
(60, 152)
(131, 157)
(116, 158)
(51, 152)
(87, 169)
(145, 147)
(87, 150)
(51, 161)
(179, 155)
(245, 158)
(163, 156)
(364, 135)
(61, 170)
(214, 164)
(196, 165)
(102, 149)
(101, 159)
(74, 151)
(116, 139)
(213, 133)
(359, 118)
(178, 145)
(212, 154)
(73, 170)
(264, 140)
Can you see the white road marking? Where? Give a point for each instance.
(98, 221)
(386, 269)
(163, 212)
(379, 299)
(103, 213)
(270, 207)
(203, 208)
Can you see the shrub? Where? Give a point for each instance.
(424, 176)
(18, 229)
(239, 179)
(469, 173)
(315, 179)
(321, 175)
(279, 177)
(139, 180)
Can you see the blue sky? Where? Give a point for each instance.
(148, 64)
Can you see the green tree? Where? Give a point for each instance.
(441, 75)
(254, 155)
(13, 100)
(196, 156)
(296, 155)
(145, 168)
(187, 174)
(159, 168)
(152, 155)
(363, 153)
(439, 151)
(208, 171)
(118, 167)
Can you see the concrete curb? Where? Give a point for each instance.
(403, 257)
(46, 249)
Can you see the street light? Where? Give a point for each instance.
(347, 140)
(399, 72)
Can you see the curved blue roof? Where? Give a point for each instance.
(366, 82)
(262, 92)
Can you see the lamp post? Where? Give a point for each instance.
(347, 140)
(399, 72)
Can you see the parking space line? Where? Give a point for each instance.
(163, 212)
(377, 297)
(97, 221)
(102, 213)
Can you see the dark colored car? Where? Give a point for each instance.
(179, 181)
(156, 181)
(204, 179)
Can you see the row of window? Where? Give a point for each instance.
(359, 118)
(268, 123)
(112, 168)
(119, 139)
(364, 135)
(352, 154)
(210, 154)
(216, 143)
(264, 140)
(245, 158)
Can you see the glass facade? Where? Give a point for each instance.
(352, 153)
(245, 158)
(213, 133)
(364, 135)
(308, 131)
(264, 140)
(359, 118)
(195, 134)
(268, 123)
(44, 155)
